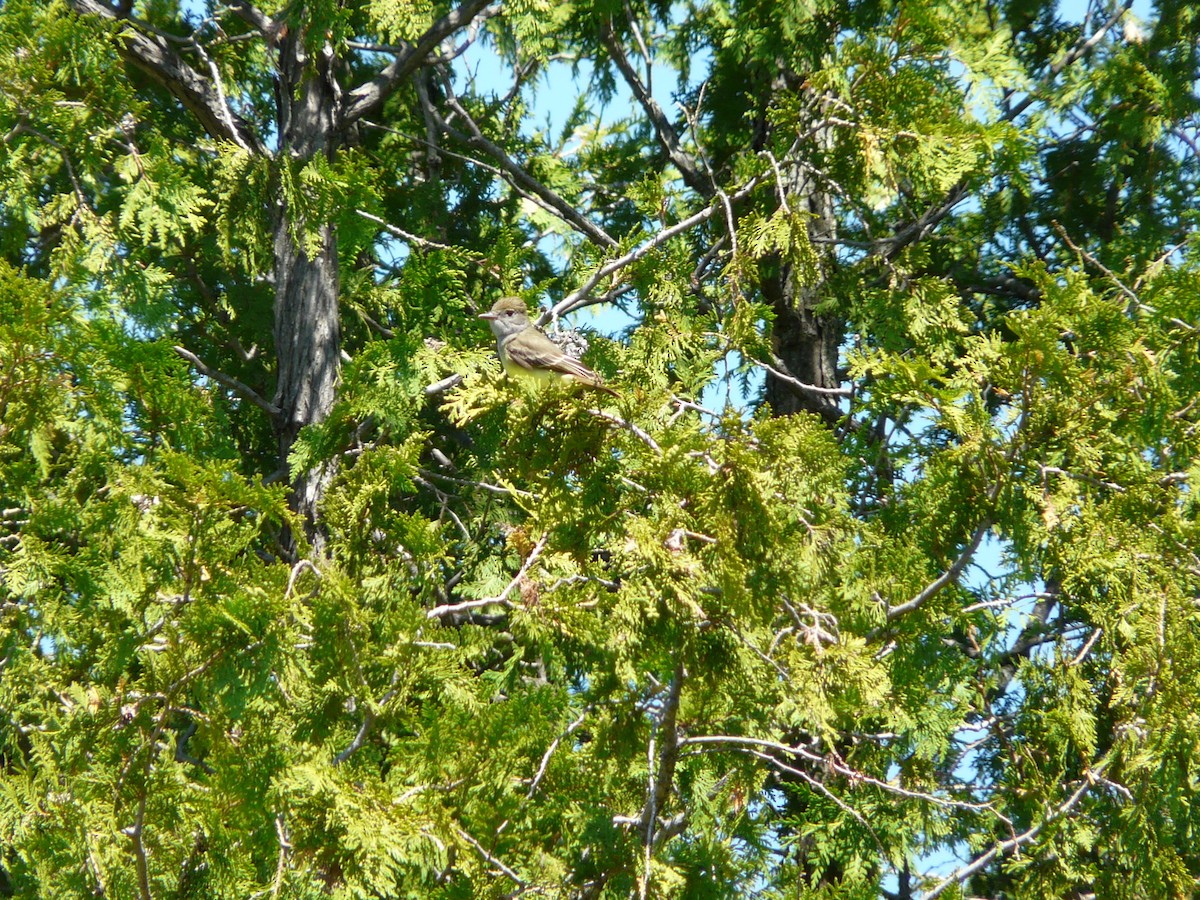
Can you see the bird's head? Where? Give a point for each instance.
(508, 315)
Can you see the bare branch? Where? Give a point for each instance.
(482, 851)
(748, 744)
(913, 231)
(637, 432)
(359, 737)
(797, 383)
(368, 97)
(537, 779)
(576, 298)
(663, 128)
(518, 177)
(252, 15)
(139, 847)
(947, 577)
(888, 248)
(1087, 647)
(1091, 776)
(440, 387)
(502, 598)
(233, 384)
(482, 485)
(284, 846)
(423, 243)
(669, 755)
(152, 54)
(822, 789)
(1082, 46)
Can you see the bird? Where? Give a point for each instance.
(529, 355)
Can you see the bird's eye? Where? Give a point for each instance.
(510, 312)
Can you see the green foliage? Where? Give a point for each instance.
(665, 643)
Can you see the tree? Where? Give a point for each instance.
(301, 597)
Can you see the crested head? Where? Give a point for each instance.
(506, 304)
(507, 315)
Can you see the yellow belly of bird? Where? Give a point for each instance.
(534, 378)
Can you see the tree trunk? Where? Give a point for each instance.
(307, 328)
(805, 342)
(307, 346)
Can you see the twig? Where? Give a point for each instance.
(222, 107)
(964, 872)
(502, 598)
(779, 182)
(537, 779)
(633, 429)
(1087, 479)
(482, 851)
(572, 300)
(232, 383)
(822, 789)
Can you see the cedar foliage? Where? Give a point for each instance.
(917, 619)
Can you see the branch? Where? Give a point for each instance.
(1082, 46)
(575, 299)
(502, 598)
(481, 485)
(670, 750)
(416, 240)
(370, 96)
(801, 385)
(284, 846)
(663, 128)
(917, 229)
(151, 54)
(749, 744)
(904, 235)
(537, 779)
(822, 789)
(947, 577)
(363, 730)
(637, 432)
(139, 848)
(482, 851)
(660, 777)
(440, 387)
(232, 383)
(964, 872)
(252, 15)
(519, 178)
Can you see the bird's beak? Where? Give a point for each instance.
(486, 315)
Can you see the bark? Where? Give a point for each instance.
(307, 347)
(803, 340)
(307, 327)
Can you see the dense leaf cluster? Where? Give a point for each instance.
(917, 616)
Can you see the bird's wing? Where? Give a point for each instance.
(536, 351)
